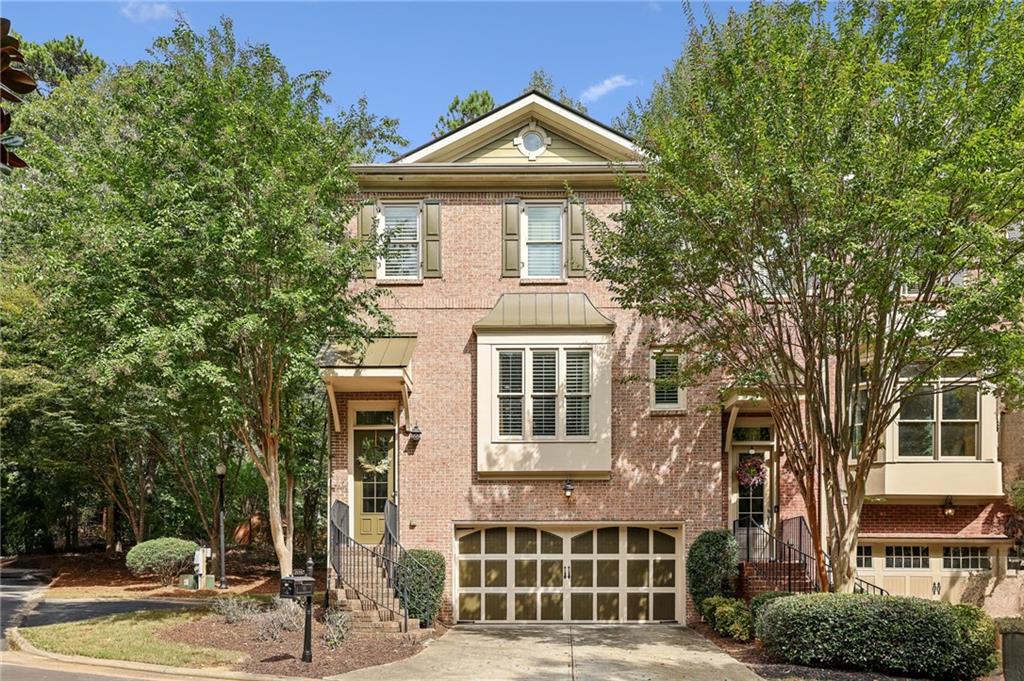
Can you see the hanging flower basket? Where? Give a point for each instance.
(752, 472)
(373, 457)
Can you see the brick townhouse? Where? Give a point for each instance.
(501, 426)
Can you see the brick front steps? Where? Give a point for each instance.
(368, 616)
(762, 577)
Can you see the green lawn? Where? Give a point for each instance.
(128, 636)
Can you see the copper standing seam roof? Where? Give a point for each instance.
(389, 352)
(544, 311)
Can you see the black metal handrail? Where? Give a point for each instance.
(782, 561)
(370, 571)
(797, 527)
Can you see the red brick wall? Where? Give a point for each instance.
(664, 467)
(975, 520)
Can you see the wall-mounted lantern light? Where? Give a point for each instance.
(415, 434)
(568, 488)
(948, 508)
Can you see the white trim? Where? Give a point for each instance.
(379, 225)
(680, 404)
(531, 102)
(520, 142)
(524, 240)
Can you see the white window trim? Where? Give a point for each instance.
(527, 351)
(382, 261)
(914, 570)
(520, 143)
(937, 422)
(524, 232)
(681, 395)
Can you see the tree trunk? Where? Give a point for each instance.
(109, 535)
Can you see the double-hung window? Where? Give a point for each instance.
(940, 421)
(577, 393)
(542, 241)
(400, 225)
(543, 393)
(510, 393)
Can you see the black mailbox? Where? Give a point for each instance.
(296, 587)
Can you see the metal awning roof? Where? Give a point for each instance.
(393, 351)
(544, 311)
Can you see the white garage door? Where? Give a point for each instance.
(568, 574)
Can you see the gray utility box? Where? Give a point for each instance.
(1013, 656)
(296, 587)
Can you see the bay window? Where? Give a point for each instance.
(939, 421)
(551, 400)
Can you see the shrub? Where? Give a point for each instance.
(732, 618)
(758, 602)
(337, 625)
(234, 609)
(887, 634)
(422, 574)
(166, 558)
(710, 607)
(283, 615)
(712, 565)
(1010, 625)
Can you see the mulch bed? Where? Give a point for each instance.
(284, 657)
(250, 572)
(755, 657)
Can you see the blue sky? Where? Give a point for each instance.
(409, 58)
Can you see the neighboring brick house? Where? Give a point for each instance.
(501, 422)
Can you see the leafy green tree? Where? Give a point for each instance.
(192, 214)
(542, 82)
(462, 111)
(826, 219)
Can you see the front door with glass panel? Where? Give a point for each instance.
(545, 574)
(373, 439)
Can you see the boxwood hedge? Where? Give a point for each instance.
(712, 566)
(758, 602)
(887, 634)
(422, 573)
(165, 557)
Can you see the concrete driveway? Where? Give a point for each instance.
(565, 653)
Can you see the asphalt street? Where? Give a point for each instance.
(17, 587)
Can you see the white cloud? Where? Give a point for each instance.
(599, 90)
(140, 12)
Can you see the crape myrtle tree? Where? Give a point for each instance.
(828, 218)
(191, 237)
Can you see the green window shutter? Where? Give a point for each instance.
(510, 238)
(431, 238)
(367, 223)
(574, 240)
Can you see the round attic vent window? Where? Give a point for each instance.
(532, 141)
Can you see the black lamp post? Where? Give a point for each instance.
(307, 637)
(221, 472)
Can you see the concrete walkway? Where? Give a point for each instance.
(564, 653)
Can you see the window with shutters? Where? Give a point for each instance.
(550, 400)
(541, 234)
(665, 394)
(400, 225)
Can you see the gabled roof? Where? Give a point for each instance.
(535, 105)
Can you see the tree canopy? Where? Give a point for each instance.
(184, 226)
(541, 81)
(462, 111)
(827, 220)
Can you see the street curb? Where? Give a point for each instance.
(21, 644)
